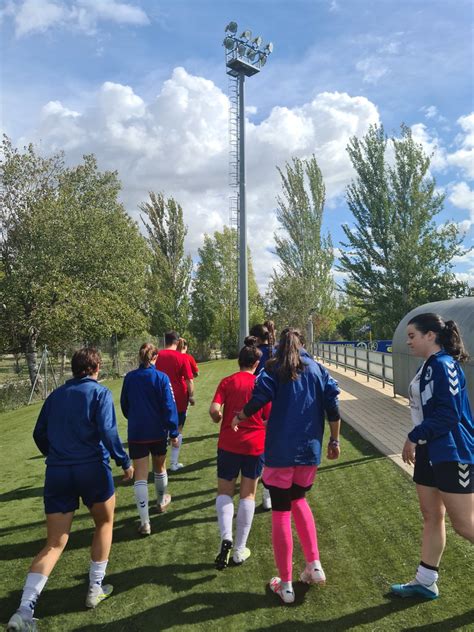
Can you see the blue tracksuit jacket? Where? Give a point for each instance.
(147, 401)
(447, 425)
(296, 424)
(77, 424)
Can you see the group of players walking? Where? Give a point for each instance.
(272, 415)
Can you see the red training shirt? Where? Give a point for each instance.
(193, 364)
(177, 368)
(233, 393)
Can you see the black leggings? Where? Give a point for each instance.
(281, 498)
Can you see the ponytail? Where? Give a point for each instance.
(286, 362)
(447, 333)
(450, 339)
(270, 325)
(147, 353)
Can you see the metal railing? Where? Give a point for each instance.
(370, 363)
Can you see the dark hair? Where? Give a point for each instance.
(250, 353)
(447, 333)
(171, 338)
(147, 352)
(266, 333)
(85, 361)
(181, 344)
(286, 362)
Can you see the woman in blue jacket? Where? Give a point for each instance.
(77, 432)
(441, 445)
(147, 401)
(302, 394)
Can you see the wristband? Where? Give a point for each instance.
(334, 443)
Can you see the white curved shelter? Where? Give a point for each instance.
(460, 310)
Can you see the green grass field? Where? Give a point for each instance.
(369, 530)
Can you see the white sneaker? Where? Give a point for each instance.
(287, 596)
(144, 529)
(18, 624)
(241, 555)
(161, 507)
(266, 500)
(97, 594)
(174, 467)
(313, 575)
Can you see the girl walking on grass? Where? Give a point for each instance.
(302, 393)
(77, 433)
(147, 402)
(441, 445)
(237, 454)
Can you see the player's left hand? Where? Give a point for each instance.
(174, 442)
(408, 452)
(334, 452)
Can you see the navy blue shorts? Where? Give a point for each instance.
(181, 419)
(230, 464)
(447, 476)
(140, 450)
(65, 484)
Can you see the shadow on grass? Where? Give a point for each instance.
(124, 531)
(190, 610)
(52, 602)
(21, 493)
(454, 623)
(348, 621)
(187, 440)
(353, 463)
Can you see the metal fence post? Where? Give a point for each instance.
(383, 370)
(368, 366)
(345, 358)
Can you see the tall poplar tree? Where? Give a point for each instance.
(303, 287)
(215, 311)
(170, 272)
(397, 256)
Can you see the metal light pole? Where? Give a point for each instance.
(244, 58)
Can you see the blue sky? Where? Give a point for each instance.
(142, 84)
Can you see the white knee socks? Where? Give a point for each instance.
(225, 515)
(141, 498)
(97, 572)
(175, 451)
(34, 584)
(245, 515)
(161, 485)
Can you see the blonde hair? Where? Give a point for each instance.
(147, 352)
(181, 344)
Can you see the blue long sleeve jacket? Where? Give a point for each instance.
(447, 425)
(147, 401)
(296, 424)
(77, 424)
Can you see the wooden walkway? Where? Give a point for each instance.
(373, 411)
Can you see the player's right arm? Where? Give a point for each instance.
(40, 433)
(215, 410)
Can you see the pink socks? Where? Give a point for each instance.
(282, 538)
(306, 528)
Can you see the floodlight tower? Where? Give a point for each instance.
(244, 57)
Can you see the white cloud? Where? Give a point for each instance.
(37, 16)
(462, 196)
(431, 144)
(372, 69)
(464, 156)
(178, 144)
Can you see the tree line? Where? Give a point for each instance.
(76, 268)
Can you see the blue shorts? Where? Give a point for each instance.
(181, 419)
(140, 450)
(230, 464)
(65, 484)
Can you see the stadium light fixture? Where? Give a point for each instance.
(244, 58)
